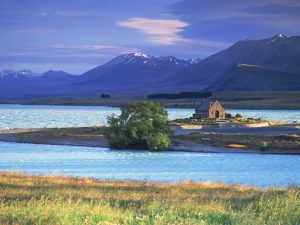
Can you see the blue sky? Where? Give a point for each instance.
(77, 35)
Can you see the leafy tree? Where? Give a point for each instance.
(142, 125)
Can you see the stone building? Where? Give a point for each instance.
(210, 109)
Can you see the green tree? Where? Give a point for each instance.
(142, 125)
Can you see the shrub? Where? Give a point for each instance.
(238, 116)
(228, 115)
(142, 125)
(264, 146)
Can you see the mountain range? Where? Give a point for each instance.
(249, 65)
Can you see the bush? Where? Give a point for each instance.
(142, 125)
(264, 146)
(238, 116)
(228, 115)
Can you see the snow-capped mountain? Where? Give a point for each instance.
(194, 61)
(19, 74)
(30, 74)
(5, 73)
(278, 53)
(268, 64)
(25, 84)
(142, 58)
(135, 69)
(276, 38)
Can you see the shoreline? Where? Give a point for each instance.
(173, 148)
(146, 182)
(189, 142)
(172, 106)
(204, 149)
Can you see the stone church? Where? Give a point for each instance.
(210, 109)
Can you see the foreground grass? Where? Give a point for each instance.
(29, 199)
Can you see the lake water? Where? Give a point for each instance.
(28, 116)
(250, 169)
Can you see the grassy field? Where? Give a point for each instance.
(235, 99)
(26, 199)
(264, 143)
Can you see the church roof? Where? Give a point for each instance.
(204, 106)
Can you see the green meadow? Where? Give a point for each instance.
(28, 199)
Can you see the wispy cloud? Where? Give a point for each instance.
(72, 58)
(71, 51)
(166, 32)
(66, 13)
(104, 50)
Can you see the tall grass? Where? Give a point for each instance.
(51, 200)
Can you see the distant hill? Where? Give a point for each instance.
(26, 85)
(278, 53)
(244, 77)
(249, 65)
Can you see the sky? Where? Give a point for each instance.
(77, 35)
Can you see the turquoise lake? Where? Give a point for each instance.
(102, 163)
(28, 116)
(251, 169)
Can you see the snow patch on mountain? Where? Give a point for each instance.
(30, 74)
(194, 61)
(142, 58)
(19, 74)
(142, 55)
(277, 38)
